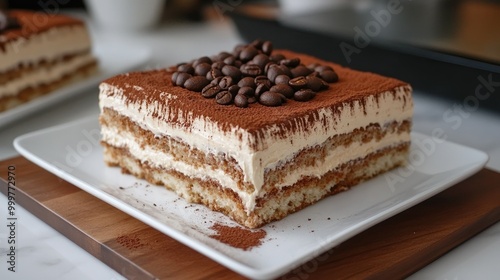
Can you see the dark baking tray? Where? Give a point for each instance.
(441, 74)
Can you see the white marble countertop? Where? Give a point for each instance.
(43, 253)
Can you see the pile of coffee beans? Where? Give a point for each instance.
(7, 22)
(253, 73)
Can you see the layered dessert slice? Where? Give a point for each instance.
(255, 152)
(39, 53)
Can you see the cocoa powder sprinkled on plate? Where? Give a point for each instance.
(238, 237)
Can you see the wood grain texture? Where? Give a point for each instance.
(396, 247)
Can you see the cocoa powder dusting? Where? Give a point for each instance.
(184, 108)
(238, 237)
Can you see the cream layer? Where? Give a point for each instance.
(334, 158)
(50, 45)
(45, 75)
(206, 135)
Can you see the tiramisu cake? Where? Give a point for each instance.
(254, 133)
(40, 52)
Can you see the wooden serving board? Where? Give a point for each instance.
(394, 248)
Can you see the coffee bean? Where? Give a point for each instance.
(214, 57)
(273, 72)
(247, 82)
(237, 49)
(241, 101)
(261, 88)
(267, 47)
(312, 66)
(248, 53)
(261, 60)
(186, 68)
(202, 68)
(282, 79)
(210, 91)
(218, 65)
(314, 83)
(269, 98)
(291, 62)
(224, 98)
(233, 71)
(226, 82)
(269, 65)
(3, 20)
(314, 74)
(213, 73)
(321, 68)
(238, 63)
(301, 70)
(229, 60)
(263, 80)
(257, 43)
(203, 59)
(286, 70)
(182, 77)
(298, 82)
(173, 78)
(196, 83)
(329, 76)
(252, 73)
(221, 56)
(233, 89)
(276, 57)
(250, 69)
(284, 99)
(247, 91)
(8, 22)
(304, 95)
(216, 81)
(286, 90)
(324, 85)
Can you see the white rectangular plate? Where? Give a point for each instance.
(113, 59)
(72, 152)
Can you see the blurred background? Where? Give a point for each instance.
(441, 47)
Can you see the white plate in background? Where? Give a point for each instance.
(72, 152)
